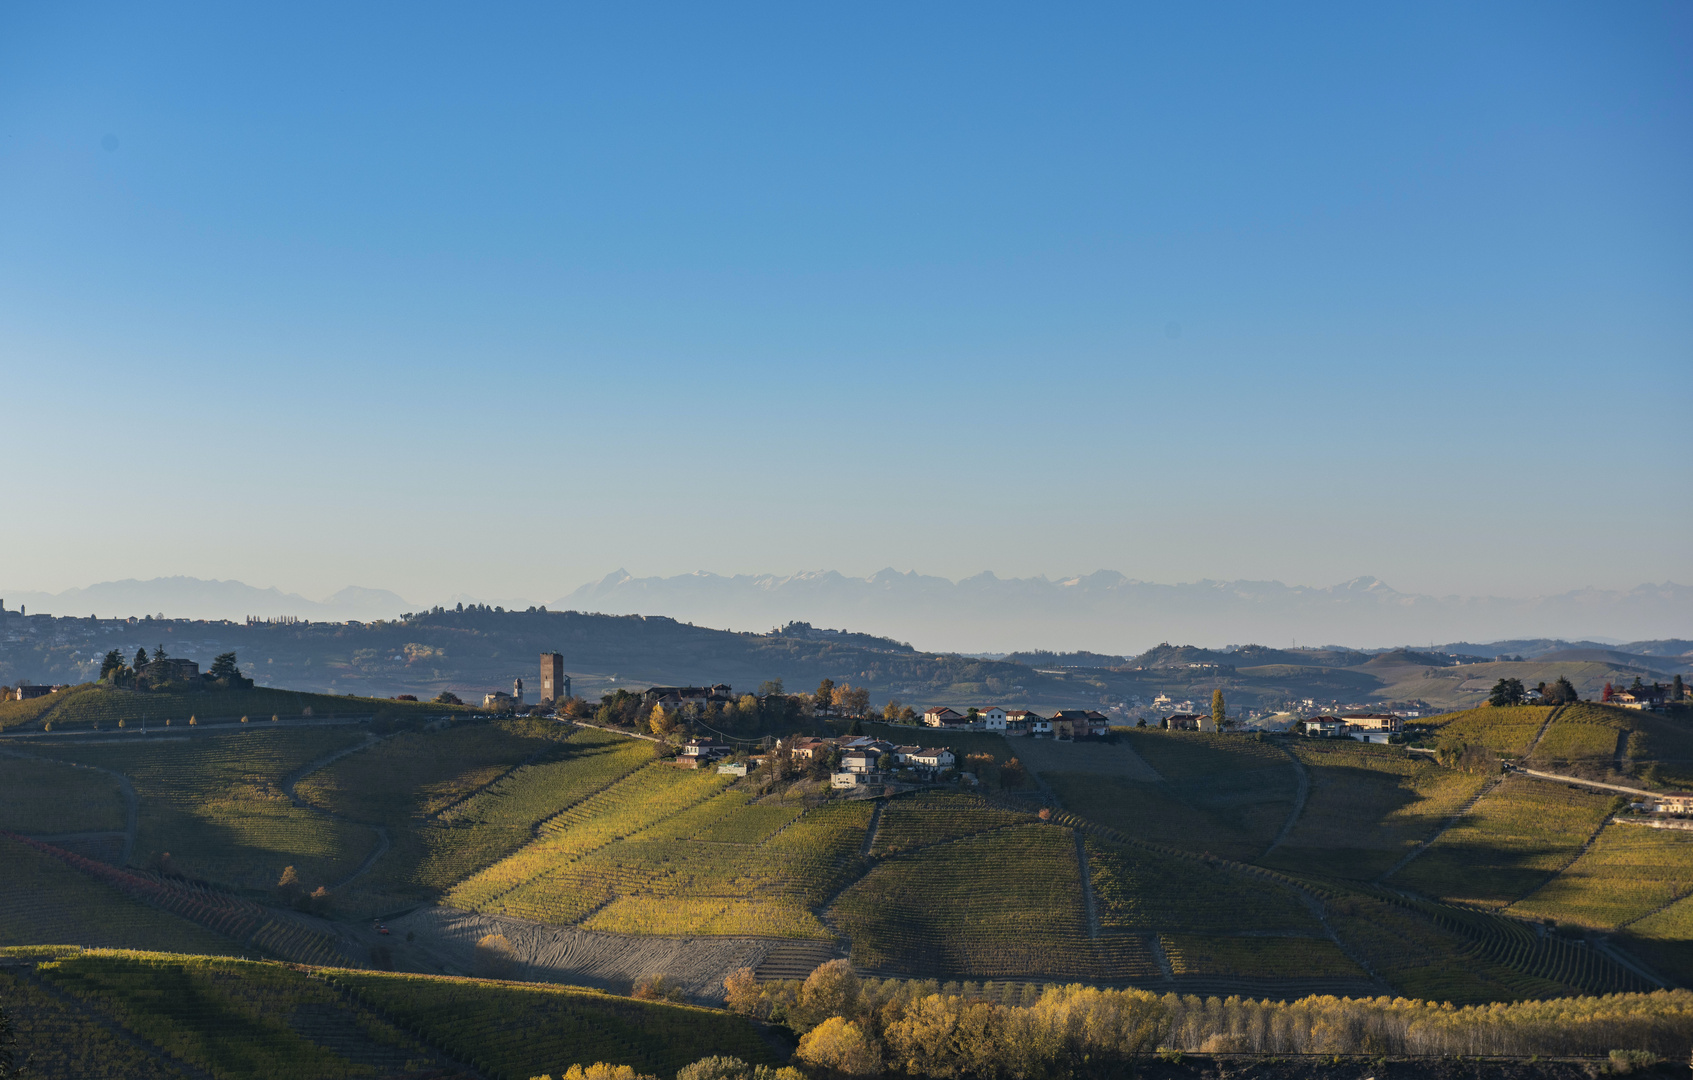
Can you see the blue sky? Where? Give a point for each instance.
(498, 300)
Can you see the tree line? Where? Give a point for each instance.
(855, 1027)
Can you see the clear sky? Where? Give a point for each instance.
(496, 299)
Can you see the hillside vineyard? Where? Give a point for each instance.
(1501, 854)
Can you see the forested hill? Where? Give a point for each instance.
(476, 650)
(481, 649)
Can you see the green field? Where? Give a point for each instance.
(1510, 843)
(1368, 806)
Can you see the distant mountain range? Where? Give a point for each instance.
(1104, 612)
(1110, 613)
(195, 598)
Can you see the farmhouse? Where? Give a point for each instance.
(991, 717)
(1373, 722)
(1017, 721)
(25, 691)
(808, 748)
(1326, 727)
(941, 716)
(859, 761)
(1669, 802)
(1186, 721)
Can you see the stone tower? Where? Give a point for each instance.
(555, 684)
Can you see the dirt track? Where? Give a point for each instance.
(446, 942)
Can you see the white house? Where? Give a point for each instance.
(1017, 721)
(992, 717)
(1374, 722)
(1040, 726)
(846, 779)
(858, 761)
(931, 757)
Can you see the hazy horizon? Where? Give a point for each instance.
(1100, 612)
(491, 302)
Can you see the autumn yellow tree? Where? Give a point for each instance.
(841, 1047)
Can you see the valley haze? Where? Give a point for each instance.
(1103, 611)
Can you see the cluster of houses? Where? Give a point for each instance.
(1365, 727)
(1064, 724)
(861, 757)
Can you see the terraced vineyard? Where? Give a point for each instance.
(47, 797)
(1506, 731)
(667, 881)
(1368, 806)
(1665, 938)
(91, 706)
(1234, 817)
(45, 901)
(239, 1018)
(918, 821)
(215, 802)
(1258, 957)
(1138, 891)
(419, 773)
(1421, 959)
(1628, 873)
(518, 885)
(19, 714)
(508, 1030)
(65, 1038)
(1002, 904)
(1510, 843)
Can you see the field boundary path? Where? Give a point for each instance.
(1299, 795)
(869, 833)
(1087, 883)
(382, 842)
(1536, 774)
(1545, 726)
(131, 801)
(184, 730)
(617, 731)
(1446, 826)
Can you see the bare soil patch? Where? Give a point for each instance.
(445, 941)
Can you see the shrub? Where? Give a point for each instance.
(1626, 1061)
(655, 988)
